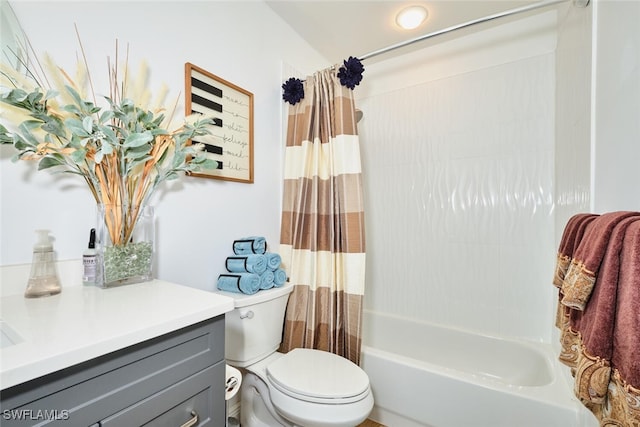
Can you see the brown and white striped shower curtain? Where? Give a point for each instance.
(322, 242)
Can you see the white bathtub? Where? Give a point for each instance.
(426, 375)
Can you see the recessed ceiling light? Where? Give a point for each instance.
(411, 17)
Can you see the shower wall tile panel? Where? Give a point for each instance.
(460, 199)
(573, 116)
(573, 122)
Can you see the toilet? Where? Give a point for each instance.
(302, 388)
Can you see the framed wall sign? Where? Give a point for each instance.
(231, 138)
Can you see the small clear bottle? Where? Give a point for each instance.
(43, 280)
(91, 262)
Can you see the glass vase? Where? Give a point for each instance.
(126, 241)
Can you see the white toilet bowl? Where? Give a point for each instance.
(305, 388)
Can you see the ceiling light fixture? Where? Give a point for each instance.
(411, 17)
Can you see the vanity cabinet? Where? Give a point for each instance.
(166, 381)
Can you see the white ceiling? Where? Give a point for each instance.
(339, 29)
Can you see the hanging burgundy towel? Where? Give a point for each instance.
(582, 272)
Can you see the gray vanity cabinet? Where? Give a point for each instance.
(166, 381)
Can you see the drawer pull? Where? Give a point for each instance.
(193, 421)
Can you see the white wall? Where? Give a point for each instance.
(458, 151)
(616, 112)
(197, 218)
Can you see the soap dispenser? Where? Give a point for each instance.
(43, 280)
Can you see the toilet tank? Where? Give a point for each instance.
(253, 330)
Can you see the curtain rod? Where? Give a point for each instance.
(579, 3)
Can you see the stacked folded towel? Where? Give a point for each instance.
(279, 277)
(266, 280)
(273, 260)
(273, 265)
(250, 245)
(246, 283)
(252, 268)
(250, 263)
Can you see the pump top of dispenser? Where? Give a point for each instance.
(43, 241)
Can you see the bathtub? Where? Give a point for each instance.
(426, 375)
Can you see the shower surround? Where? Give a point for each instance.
(458, 152)
(474, 152)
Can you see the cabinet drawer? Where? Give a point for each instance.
(88, 393)
(201, 394)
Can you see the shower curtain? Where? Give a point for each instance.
(322, 242)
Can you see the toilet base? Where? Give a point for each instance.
(254, 412)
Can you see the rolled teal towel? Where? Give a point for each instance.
(273, 260)
(250, 245)
(279, 277)
(245, 283)
(266, 280)
(253, 263)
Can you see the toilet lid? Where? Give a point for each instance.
(316, 375)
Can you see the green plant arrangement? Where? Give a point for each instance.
(121, 148)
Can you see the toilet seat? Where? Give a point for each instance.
(318, 377)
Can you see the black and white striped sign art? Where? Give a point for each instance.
(231, 138)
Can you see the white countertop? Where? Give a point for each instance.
(84, 322)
